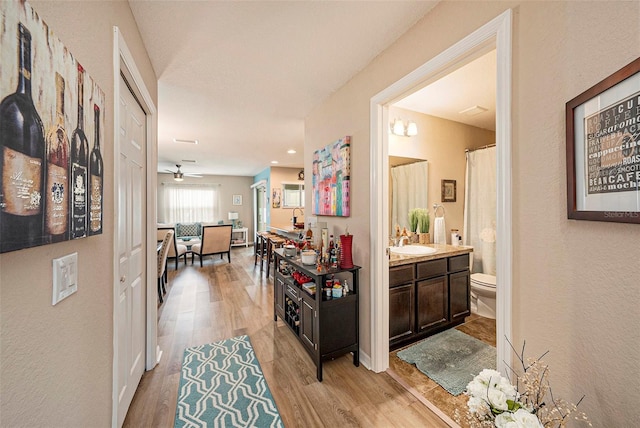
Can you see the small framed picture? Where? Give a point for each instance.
(448, 191)
(237, 199)
(275, 198)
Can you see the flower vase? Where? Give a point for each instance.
(425, 238)
(345, 254)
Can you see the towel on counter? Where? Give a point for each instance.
(439, 235)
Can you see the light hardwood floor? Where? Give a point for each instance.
(223, 300)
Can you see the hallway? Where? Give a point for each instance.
(223, 300)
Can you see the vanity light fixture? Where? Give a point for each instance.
(398, 128)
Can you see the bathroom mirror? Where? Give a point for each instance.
(408, 187)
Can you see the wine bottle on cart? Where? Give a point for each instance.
(95, 175)
(57, 178)
(79, 174)
(21, 160)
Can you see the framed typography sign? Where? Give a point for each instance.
(51, 128)
(603, 149)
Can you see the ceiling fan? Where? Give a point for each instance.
(179, 175)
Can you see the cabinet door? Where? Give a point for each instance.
(401, 312)
(307, 321)
(459, 284)
(432, 303)
(279, 296)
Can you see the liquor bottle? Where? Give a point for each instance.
(330, 252)
(21, 160)
(79, 166)
(95, 173)
(57, 183)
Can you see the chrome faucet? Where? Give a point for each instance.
(399, 241)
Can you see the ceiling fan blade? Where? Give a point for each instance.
(186, 174)
(168, 170)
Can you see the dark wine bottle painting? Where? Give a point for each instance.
(57, 184)
(79, 174)
(96, 173)
(22, 150)
(51, 164)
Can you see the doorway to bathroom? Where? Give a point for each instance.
(495, 35)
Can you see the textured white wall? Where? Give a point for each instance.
(56, 361)
(576, 288)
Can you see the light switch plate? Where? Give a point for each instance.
(65, 277)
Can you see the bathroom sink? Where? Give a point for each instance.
(413, 250)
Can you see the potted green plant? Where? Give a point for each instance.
(423, 226)
(414, 218)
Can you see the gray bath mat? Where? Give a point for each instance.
(451, 358)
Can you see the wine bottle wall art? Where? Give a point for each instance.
(51, 136)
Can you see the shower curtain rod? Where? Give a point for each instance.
(479, 148)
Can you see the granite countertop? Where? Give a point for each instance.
(442, 252)
(287, 229)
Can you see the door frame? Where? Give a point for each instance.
(124, 63)
(255, 186)
(496, 34)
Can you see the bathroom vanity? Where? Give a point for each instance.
(427, 293)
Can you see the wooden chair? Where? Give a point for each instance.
(175, 250)
(273, 242)
(162, 262)
(260, 247)
(216, 239)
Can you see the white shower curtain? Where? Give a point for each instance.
(480, 208)
(409, 191)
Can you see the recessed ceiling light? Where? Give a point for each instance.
(472, 111)
(291, 151)
(274, 162)
(177, 140)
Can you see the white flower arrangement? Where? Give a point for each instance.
(495, 402)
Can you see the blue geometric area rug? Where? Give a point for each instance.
(451, 358)
(222, 386)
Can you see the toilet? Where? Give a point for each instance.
(483, 295)
(483, 285)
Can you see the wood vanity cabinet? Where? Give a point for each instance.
(427, 297)
(327, 328)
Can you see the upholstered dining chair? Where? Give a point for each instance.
(216, 239)
(162, 262)
(175, 250)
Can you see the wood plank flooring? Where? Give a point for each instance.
(223, 300)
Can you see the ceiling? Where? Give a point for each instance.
(241, 76)
(455, 95)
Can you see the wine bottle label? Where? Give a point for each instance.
(57, 193)
(79, 200)
(95, 214)
(21, 181)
